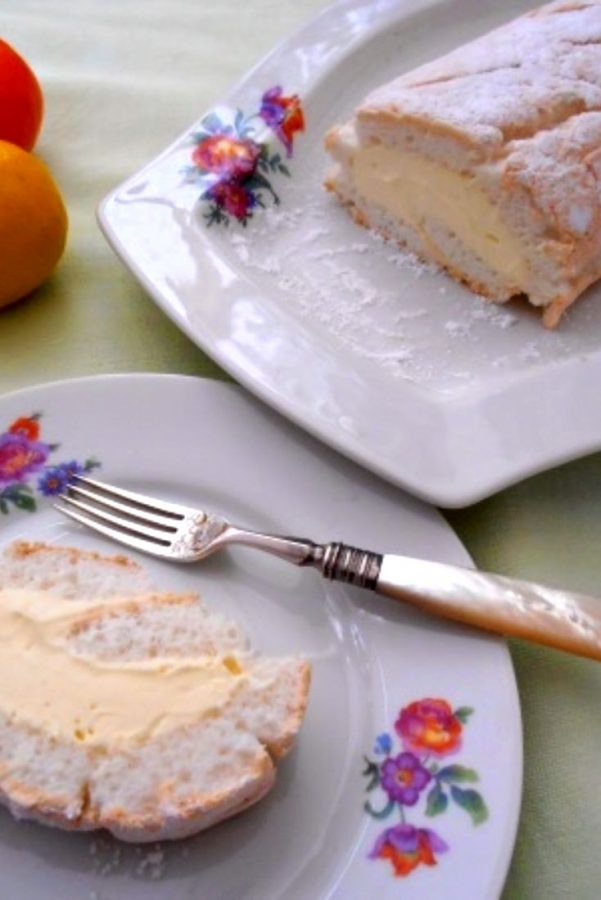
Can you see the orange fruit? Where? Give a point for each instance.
(21, 100)
(33, 223)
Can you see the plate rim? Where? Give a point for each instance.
(499, 874)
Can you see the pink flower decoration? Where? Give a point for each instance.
(429, 726)
(233, 198)
(232, 158)
(19, 457)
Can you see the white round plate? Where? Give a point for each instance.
(208, 444)
(396, 366)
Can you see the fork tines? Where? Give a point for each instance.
(134, 519)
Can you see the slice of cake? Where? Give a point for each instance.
(488, 160)
(128, 709)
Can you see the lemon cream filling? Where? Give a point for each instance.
(95, 702)
(424, 194)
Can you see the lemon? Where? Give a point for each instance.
(33, 223)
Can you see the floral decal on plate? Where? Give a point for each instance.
(234, 166)
(26, 469)
(413, 776)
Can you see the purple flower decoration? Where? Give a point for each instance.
(72, 468)
(408, 847)
(284, 115)
(56, 478)
(430, 726)
(20, 456)
(405, 838)
(24, 456)
(403, 778)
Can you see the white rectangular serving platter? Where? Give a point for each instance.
(388, 361)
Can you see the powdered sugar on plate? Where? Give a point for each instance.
(148, 862)
(380, 302)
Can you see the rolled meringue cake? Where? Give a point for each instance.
(487, 161)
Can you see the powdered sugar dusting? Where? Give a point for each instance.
(152, 864)
(109, 857)
(380, 303)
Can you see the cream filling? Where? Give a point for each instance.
(97, 702)
(423, 194)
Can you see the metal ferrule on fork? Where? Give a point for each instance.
(350, 564)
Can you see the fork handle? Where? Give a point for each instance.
(534, 612)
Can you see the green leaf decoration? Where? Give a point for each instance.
(13, 491)
(276, 164)
(284, 169)
(458, 774)
(437, 801)
(463, 713)
(379, 814)
(472, 802)
(257, 181)
(25, 502)
(90, 464)
(215, 216)
(3, 506)
(372, 772)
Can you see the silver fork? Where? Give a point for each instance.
(561, 619)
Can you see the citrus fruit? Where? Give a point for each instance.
(33, 223)
(21, 100)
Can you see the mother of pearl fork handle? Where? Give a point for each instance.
(534, 612)
(522, 609)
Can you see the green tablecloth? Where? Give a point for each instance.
(122, 78)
